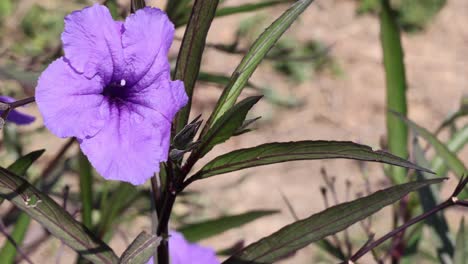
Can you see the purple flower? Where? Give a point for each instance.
(112, 91)
(183, 252)
(15, 116)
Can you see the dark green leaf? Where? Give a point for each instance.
(454, 144)
(141, 249)
(19, 167)
(190, 54)
(461, 246)
(429, 198)
(331, 249)
(397, 131)
(54, 218)
(302, 150)
(205, 229)
(230, 10)
(318, 226)
(254, 56)
(453, 162)
(227, 125)
(121, 199)
(86, 190)
(8, 252)
(222, 80)
(271, 95)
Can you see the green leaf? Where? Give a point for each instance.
(453, 162)
(454, 144)
(141, 249)
(121, 199)
(54, 218)
(254, 56)
(270, 95)
(318, 226)
(86, 190)
(397, 131)
(21, 165)
(205, 229)
(271, 153)
(230, 10)
(221, 80)
(331, 249)
(178, 11)
(190, 53)
(8, 252)
(227, 125)
(429, 199)
(461, 245)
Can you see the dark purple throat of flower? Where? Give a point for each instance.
(117, 92)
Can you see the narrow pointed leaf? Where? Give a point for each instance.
(86, 190)
(454, 144)
(19, 167)
(121, 199)
(453, 162)
(318, 226)
(331, 249)
(230, 10)
(461, 246)
(254, 56)
(271, 153)
(54, 218)
(9, 252)
(429, 198)
(220, 79)
(205, 229)
(191, 51)
(227, 125)
(141, 249)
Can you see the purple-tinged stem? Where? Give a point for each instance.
(450, 202)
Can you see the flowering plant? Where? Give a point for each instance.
(113, 92)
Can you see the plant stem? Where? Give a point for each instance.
(86, 190)
(394, 232)
(393, 59)
(155, 201)
(53, 163)
(22, 102)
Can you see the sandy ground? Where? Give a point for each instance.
(350, 107)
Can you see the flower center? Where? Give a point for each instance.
(117, 91)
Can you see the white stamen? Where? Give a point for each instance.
(123, 82)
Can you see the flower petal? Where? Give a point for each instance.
(182, 252)
(131, 145)
(164, 96)
(92, 42)
(15, 116)
(71, 104)
(20, 118)
(146, 41)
